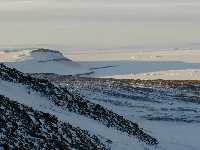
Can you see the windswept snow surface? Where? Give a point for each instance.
(23, 95)
(170, 113)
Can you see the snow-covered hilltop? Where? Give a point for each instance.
(42, 95)
(45, 55)
(42, 61)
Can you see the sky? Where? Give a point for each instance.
(100, 24)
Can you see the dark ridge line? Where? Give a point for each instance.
(58, 59)
(83, 74)
(156, 82)
(167, 119)
(45, 50)
(62, 97)
(180, 87)
(104, 67)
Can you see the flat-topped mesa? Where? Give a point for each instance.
(43, 55)
(45, 50)
(63, 98)
(44, 61)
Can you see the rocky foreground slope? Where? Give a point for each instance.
(61, 97)
(169, 110)
(23, 127)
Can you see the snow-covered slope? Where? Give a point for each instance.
(112, 129)
(168, 109)
(42, 61)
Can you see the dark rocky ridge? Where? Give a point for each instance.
(180, 87)
(154, 100)
(181, 84)
(23, 127)
(62, 97)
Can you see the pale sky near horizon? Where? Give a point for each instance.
(100, 24)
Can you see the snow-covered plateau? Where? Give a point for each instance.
(41, 61)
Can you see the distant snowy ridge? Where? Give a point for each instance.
(47, 55)
(42, 61)
(187, 74)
